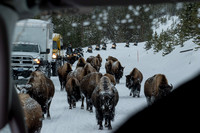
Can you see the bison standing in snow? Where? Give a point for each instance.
(73, 92)
(156, 87)
(114, 67)
(32, 113)
(133, 82)
(62, 74)
(88, 84)
(111, 77)
(95, 61)
(42, 89)
(81, 62)
(104, 98)
(80, 72)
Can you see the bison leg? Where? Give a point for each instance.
(99, 116)
(69, 102)
(130, 93)
(106, 122)
(48, 107)
(109, 124)
(100, 125)
(82, 104)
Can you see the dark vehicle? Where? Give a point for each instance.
(127, 44)
(97, 47)
(136, 43)
(175, 112)
(79, 52)
(104, 46)
(114, 46)
(89, 50)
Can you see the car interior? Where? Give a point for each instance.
(172, 113)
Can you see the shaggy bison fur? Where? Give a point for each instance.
(32, 113)
(62, 74)
(88, 84)
(42, 89)
(95, 61)
(73, 92)
(156, 87)
(133, 82)
(104, 98)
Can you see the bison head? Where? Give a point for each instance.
(164, 90)
(107, 103)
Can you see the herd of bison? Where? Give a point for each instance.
(86, 82)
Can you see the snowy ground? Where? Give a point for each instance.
(178, 67)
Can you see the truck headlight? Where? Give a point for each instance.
(54, 56)
(37, 61)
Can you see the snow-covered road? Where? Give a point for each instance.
(177, 68)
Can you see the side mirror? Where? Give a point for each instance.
(61, 47)
(47, 51)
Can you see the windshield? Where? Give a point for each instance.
(55, 45)
(164, 45)
(25, 48)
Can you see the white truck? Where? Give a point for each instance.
(32, 47)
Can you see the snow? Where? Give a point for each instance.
(178, 68)
(171, 23)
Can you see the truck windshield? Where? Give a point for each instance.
(25, 48)
(54, 45)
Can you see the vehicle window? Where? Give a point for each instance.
(156, 45)
(25, 48)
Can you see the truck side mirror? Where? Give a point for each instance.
(47, 51)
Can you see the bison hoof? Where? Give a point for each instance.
(100, 127)
(109, 128)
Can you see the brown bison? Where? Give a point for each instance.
(117, 70)
(73, 92)
(108, 66)
(133, 82)
(111, 77)
(104, 98)
(32, 113)
(62, 74)
(80, 72)
(111, 58)
(81, 62)
(88, 84)
(95, 61)
(156, 87)
(42, 89)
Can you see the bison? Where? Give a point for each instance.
(81, 62)
(62, 74)
(117, 70)
(111, 58)
(111, 77)
(80, 72)
(156, 87)
(73, 92)
(88, 84)
(104, 98)
(42, 89)
(133, 82)
(32, 113)
(114, 67)
(95, 61)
